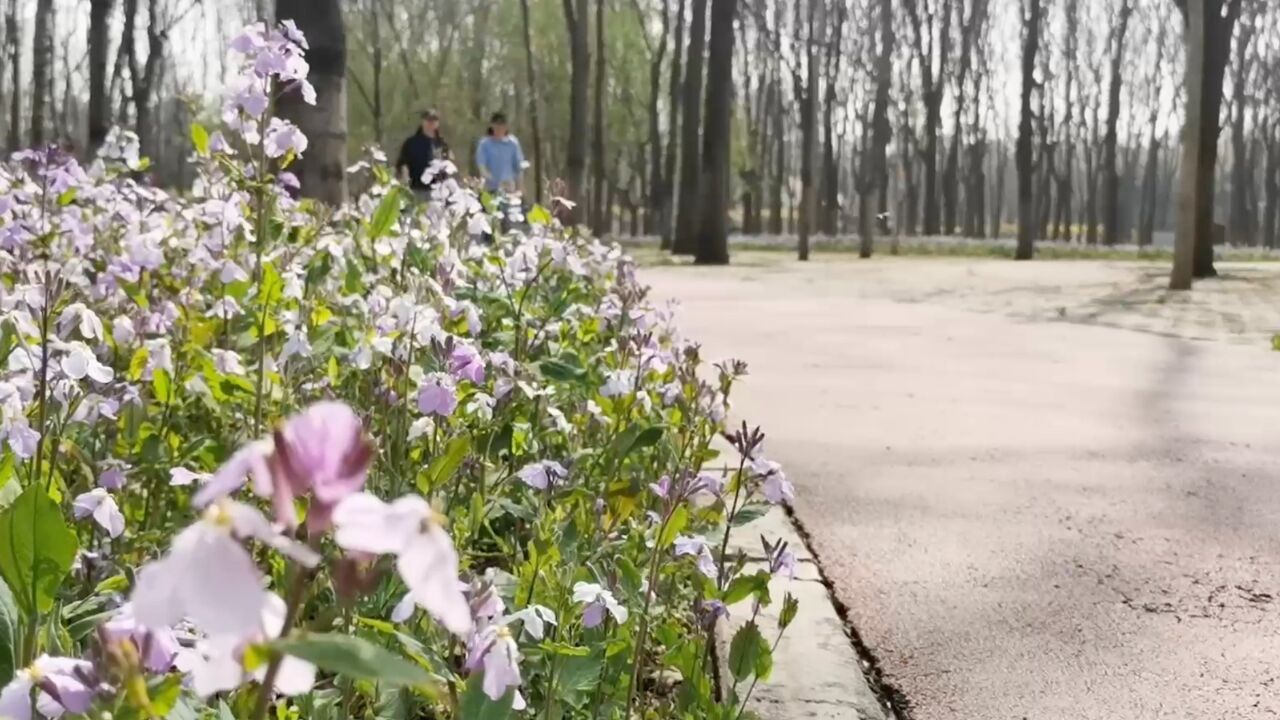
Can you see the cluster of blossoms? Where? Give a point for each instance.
(261, 443)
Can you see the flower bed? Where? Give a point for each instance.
(265, 457)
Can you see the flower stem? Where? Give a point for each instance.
(294, 603)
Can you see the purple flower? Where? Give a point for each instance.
(542, 475)
(160, 644)
(598, 601)
(112, 478)
(284, 137)
(466, 364)
(776, 488)
(323, 449)
(697, 547)
(662, 488)
(436, 396)
(425, 557)
(64, 684)
(495, 651)
(99, 503)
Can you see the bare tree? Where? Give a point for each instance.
(12, 46)
(1110, 174)
(577, 19)
(873, 172)
(1026, 166)
(675, 94)
(534, 127)
(807, 92)
(931, 37)
(713, 230)
(1208, 27)
(599, 209)
(99, 42)
(690, 156)
(41, 68)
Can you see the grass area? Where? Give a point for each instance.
(646, 251)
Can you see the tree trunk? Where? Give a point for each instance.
(322, 168)
(1239, 230)
(1110, 173)
(1208, 25)
(654, 204)
(713, 232)
(577, 16)
(1026, 169)
(997, 207)
(41, 68)
(12, 46)
(779, 175)
(600, 220)
(1147, 220)
(690, 152)
(535, 127)
(99, 40)
(809, 136)
(666, 216)
(830, 170)
(873, 172)
(1271, 190)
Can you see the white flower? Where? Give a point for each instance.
(122, 329)
(231, 272)
(598, 601)
(228, 362)
(99, 503)
(77, 314)
(617, 383)
(181, 476)
(81, 362)
(425, 558)
(63, 675)
(534, 618)
(544, 474)
(209, 577)
(159, 356)
(215, 663)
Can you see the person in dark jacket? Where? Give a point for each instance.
(420, 150)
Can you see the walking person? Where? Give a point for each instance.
(499, 157)
(420, 150)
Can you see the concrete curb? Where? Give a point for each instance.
(816, 670)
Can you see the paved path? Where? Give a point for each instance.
(1028, 515)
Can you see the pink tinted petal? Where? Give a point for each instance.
(156, 596)
(221, 586)
(429, 566)
(365, 523)
(15, 699)
(108, 515)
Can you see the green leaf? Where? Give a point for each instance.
(747, 653)
(354, 657)
(636, 438)
(162, 386)
(386, 214)
(444, 465)
(679, 520)
(562, 371)
(10, 622)
(475, 705)
(539, 215)
(744, 586)
(36, 549)
(224, 711)
(200, 138)
(67, 197)
(747, 513)
(580, 674)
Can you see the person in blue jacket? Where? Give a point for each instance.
(499, 157)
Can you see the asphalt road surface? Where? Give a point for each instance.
(1028, 514)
